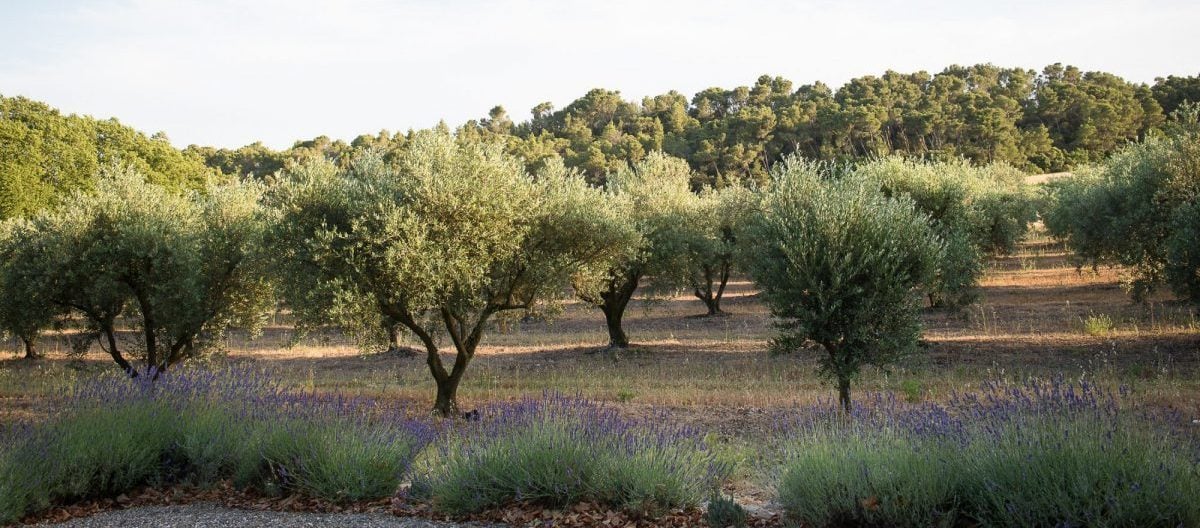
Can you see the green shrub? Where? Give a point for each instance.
(724, 512)
(1182, 267)
(337, 460)
(868, 479)
(975, 210)
(117, 434)
(1046, 454)
(560, 451)
(1138, 210)
(1098, 325)
(840, 265)
(96, 452)
(1079, 471)
(216, 445)
(958, 271)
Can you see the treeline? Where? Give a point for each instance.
(45, 155)
(1039, 122)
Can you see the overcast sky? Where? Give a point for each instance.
(227, 73)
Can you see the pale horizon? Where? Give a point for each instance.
(225, 74)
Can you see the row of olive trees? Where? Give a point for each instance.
(1139, 210)
(440, 240)
(456, 232)
(974, 210)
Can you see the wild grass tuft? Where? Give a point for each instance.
(1098, 325)
(724, 512)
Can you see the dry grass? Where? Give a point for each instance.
(1039, 179)
(1030, 321)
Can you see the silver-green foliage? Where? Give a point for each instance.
(839, 263)
(1050, 469)
(652, 198)
(558, 452)
(25, 309)
(1138, 210)
(200, 428)
(450, 235)
(976, 210)
(185, 264)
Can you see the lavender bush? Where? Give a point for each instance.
(1037, 454)
(558, 450)
(114, 434)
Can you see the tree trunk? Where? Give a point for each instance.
(148, 326)
(111, 337)
(393, 338)
(712, 290)
(31, 351)
(844, 394)
(616, 334)
(620, 291)
(711, 302)
(446, 403)
(179, 350)
(721, 288)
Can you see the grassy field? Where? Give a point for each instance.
(1037, 316)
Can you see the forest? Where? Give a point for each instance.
(1038, 122)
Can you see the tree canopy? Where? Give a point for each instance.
(452, 234)
(839, 263)
(1047, 121)
(182, 264)
(45, 156)
(1138, 210)
(653, 200)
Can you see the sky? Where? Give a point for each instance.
(227, 73)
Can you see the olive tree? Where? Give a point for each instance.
(653, 198)
(975, 210)
(1182, 269)
(451, 235)
(53, 250)
(25, 310)
(1137, 210)
(1003, 206)
(839, 263)
(714, 229)
(942, 193)
(181, 264)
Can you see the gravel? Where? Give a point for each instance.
(205, 515)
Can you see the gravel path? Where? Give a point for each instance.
(205, 515)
